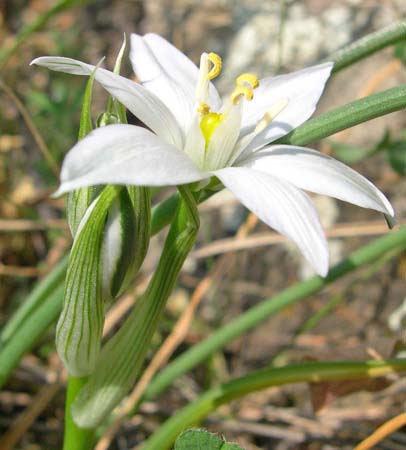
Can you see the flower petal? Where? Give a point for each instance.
(283, 207)
(223, 140)
(195, 143)
(302, 89)
(125, 154)
(169, 74)
(315, 172)
(145, 105)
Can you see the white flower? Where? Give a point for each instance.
(192, 136)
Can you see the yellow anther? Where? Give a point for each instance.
(241, 91)
(247, 79)
(215, 59)
(209, 123)
(203, 108)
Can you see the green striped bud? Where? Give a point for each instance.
(126, 240)
(80, 325)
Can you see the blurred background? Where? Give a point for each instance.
(361, 317)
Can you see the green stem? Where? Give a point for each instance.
(196, 411)
(368, 45)
(261, 312)
(347, 116)
(75, 438)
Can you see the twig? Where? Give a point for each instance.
(21, 225)
(175, 337)
(18, 271)
(31, 126)
(382, 432)
(268, 238)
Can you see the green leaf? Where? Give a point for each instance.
(196, 411)
(114, 107)
(368, 45)
(202, 440)
(79, 329)
(347, 116)
(78, 201)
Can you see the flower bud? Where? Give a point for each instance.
(126, 240)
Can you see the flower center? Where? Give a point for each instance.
(210, 68)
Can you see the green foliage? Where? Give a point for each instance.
(352, 154)
(397, 156)
(400, 51)
(202, 440)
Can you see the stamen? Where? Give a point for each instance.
(217, 62)
(205, 75)
(241, 91)
(247, 78)
(271, 114)
(245, 85)
(203, 108)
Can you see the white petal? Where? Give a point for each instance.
(169, 74)
(223, 140)
(125, 154)
(302, 89)
(315, 172)
(146, 106)
(195, 143)
(283, 207)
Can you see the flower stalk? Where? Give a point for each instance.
(75, 438)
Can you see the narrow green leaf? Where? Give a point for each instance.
(368, 45)
(39, 295)
(78, 201)
(29, 330)
(209, 401)
(202, 440)
(114, 107)
(80, 325)
(347, 116)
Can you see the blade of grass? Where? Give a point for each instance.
(196, 411)
(368, 45)
(30, 330)
(347, 116)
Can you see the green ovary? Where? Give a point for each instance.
(208, 124)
